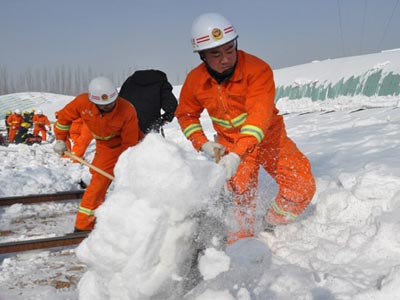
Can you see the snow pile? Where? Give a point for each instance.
(162, 209)
(143, 243)
(36, 169)
(142, 247)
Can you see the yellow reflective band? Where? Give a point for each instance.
(222, 123)
(62, 127)
(236, 122)
(188, 131)
(86, 211)
(286, 214)
(239, 120)
(254, 131)
(105, 138)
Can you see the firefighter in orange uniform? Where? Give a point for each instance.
(14, 121)
(237, 89)
(113, 123)
(40, 121)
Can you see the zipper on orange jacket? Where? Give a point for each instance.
(221, 100)
(101, 125)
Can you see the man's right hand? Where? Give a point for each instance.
(60, 147)
(210, 148)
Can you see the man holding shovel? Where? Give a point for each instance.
(237, 89)
(114, 124)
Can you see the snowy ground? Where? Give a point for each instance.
(346, 246)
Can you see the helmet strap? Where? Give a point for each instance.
(99, 107)
(221, 77)
(202, 57)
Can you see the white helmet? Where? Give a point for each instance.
(17, 111)
(211, 30)
(39, 112)
(102, 91)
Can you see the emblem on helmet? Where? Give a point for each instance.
(217, 34)
(104, 97)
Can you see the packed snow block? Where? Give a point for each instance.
(249, 258)
(146, 240)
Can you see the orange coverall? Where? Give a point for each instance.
(247, 123)
(114, 132)
(39, 125)
(15, 122)
(81, 137)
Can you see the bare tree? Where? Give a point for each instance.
(67, 80)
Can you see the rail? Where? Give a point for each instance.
(28, 199)
(43, 243)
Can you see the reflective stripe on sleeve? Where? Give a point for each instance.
(254, 131)
(188, 131)
(62, 127)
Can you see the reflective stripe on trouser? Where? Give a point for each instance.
(95, 193)
(284, 162)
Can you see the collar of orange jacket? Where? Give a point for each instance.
(237, 74)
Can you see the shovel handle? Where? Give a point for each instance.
(217, 154)
(83, 162)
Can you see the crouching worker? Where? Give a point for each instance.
(237, 89)
(113, 123)
(22, 133)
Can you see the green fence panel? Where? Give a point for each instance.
(390, 85)
(372, 83)
(368, 84)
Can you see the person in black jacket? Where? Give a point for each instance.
(150, 92)
(22, 134)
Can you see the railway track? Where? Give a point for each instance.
(29, 199)
(42, 243)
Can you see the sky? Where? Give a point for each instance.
(114, 37)
(345, 246)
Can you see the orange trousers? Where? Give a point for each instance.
(284, 162)
(42, 131)
(12, 134)
(105, 159)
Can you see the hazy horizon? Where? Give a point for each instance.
(119, 36)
